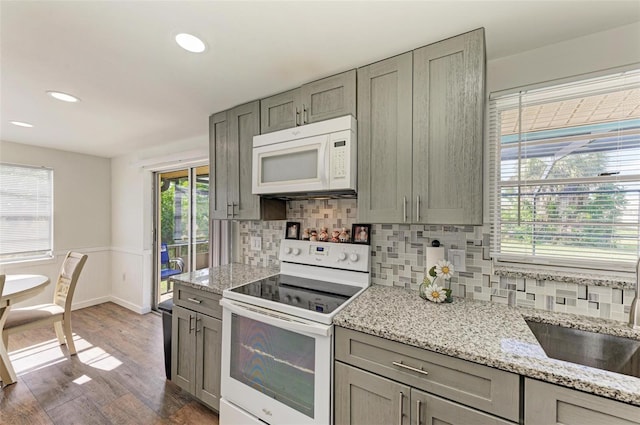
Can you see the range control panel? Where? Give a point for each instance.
(335, 255)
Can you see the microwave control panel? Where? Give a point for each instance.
(342, 160)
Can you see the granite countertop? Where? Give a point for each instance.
(217, 279)
(491, 334)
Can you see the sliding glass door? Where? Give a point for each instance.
(182, 225)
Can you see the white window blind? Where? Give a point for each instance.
(26, 212)
(565, 167)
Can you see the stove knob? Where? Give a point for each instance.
(342, 256)
(353, 257)
(296, 300)
(296, 251)
(287, 298)
(287, 250)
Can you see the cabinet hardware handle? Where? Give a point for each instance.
(404, 208)
(190, 322)
(194, 300)
(296, 117)
(233, 209)
(418, 208)
(414, 369)
(417, 412)
(401, 407)
(228, 206)
(305, 116)
(198, 320)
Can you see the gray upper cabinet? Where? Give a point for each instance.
(280, 111)
(231, 154)
(320, 100)
(330, 97)
(384, 140)
(244, 123)
(420, 134)
(218, 160)
(448, 111)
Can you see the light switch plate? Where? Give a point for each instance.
(457, 258)
(256, 243)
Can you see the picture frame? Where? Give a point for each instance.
(292, 230)
(361, 234)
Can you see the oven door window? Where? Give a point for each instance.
(277, 362)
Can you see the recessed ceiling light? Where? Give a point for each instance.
(65, 97)
(190, 43)
(21, 124)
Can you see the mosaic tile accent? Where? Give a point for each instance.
(398, 259)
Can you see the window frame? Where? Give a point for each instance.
(39, 255)
(529, 262)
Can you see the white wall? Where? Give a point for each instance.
(82, 219)
(132, 216)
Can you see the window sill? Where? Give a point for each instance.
(619, 281)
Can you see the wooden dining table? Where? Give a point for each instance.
(17, 287)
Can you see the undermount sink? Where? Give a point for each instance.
(608, 352)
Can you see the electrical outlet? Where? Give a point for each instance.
(457, 258)
(256, 243)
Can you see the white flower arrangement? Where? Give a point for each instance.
(430, 290)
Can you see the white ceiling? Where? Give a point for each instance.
(140, 90)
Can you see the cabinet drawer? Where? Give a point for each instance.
(482, 387)
(198, 300)
(548, 404)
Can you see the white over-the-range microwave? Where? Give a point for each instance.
(313, 159)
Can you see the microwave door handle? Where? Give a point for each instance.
(276, 319)
(324, 162)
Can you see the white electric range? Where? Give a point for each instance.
(277, 338)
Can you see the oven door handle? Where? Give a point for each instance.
(274, 318)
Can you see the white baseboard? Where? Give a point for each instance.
(126, 304)
(89, 303)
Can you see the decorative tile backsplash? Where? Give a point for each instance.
(398, 259)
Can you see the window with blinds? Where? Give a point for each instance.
(26, 213)
(566, 173)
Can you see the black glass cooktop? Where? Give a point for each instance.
(310, 294)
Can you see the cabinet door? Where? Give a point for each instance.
(183, 348)
(218, 202)
(384, 140)
(208, 343)
(244, 123)
(429, 409)
(330, 97)
(448, 107)
(362, 398)
(551, 404)
(280, 111)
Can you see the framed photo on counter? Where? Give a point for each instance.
(361, 233)
(292, 231)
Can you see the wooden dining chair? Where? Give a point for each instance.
(58, 312)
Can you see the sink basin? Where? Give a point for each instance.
(608, 352)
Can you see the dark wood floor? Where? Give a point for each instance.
(116, 378)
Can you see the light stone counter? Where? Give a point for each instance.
(217, 279)
(492, 334)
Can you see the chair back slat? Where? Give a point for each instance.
(68, 278)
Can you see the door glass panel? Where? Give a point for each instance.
(277, 362)
(290, 166)
(200, 222)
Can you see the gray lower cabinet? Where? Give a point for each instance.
(196, 346)
(420, 134)
(319, 100)
(231, 154)
(546, 404)
(380, 381)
